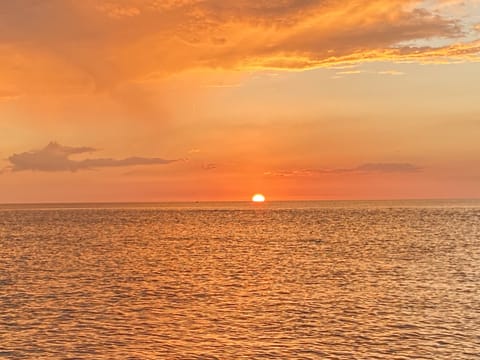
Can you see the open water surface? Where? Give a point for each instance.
(316, 280)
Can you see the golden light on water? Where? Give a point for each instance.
(258, 198)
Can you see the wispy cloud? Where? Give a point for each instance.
(56, 157)
(349, 72)
(8, 95)
(209, 166)
(386, 168)
(118, 11)
(361, 169)
(391, 72)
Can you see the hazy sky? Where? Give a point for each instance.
(161, 100)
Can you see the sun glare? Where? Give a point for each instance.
(258, 198)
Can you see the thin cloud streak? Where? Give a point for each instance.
(8, 95)
(367, 168)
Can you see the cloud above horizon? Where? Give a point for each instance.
(91, 45)
(366, 168)
(55, 157)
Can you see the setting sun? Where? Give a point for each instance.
(258, 198)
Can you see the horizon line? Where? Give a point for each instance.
(231, 201)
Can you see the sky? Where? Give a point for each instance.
(206, 100)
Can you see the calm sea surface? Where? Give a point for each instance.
(313, 280)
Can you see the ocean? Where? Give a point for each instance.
(280, 280)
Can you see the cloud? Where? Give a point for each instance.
(349, 72)
(391, 72)
(361, 169)
(118, 11)
(209, 166)
(97, 45)
(8, 95)
(386, 167)
(56, 157)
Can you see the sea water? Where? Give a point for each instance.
(305, 280)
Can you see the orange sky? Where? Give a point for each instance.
(166, 100)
